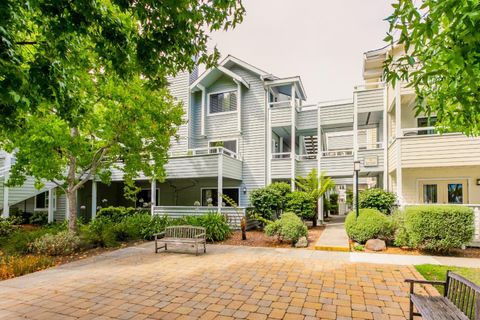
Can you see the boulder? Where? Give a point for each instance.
(375, 245)
(302, 243)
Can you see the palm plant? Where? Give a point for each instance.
(317, 186)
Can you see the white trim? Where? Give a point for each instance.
(46, 198)
(222, 69)
(224, 140)
(222, 112)
(234, 76)
(148, 189)
(469, 184)
(243, 64)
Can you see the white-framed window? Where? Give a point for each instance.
(222, 102)
(41, 201)
(231, 145)
(209, 196)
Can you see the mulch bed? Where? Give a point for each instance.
(257, 238)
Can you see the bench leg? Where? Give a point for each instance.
(196, 249)
(204, 247)
(410, 315)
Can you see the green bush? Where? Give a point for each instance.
(100, 232)
(379, 199)
(288, 228)
(134, 227)
(333, 203)
(301, 203)
(116, 214)
(217, 228)
(267, 202)
(39, 218)
(371, 224)
(19, 241)
(437, 228)
(7, 227)
(18, 216)
(60, 244)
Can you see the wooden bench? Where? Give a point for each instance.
(461, 299)
(190, 235)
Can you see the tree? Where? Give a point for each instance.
(84, 84)
(317, 186)
(440, 60)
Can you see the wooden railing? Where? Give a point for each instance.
(205, 151)
(337, 153)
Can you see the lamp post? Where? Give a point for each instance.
(356, 168)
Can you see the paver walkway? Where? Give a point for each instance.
(227, 283)
(334, 237)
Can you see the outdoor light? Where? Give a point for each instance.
(478, 182)
(356, 168)
(244, 190)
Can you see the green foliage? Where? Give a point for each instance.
(39, 218)
(268, 201)
(437, 228)
(19, 241)
(84, 84)
(439, 60)
(288, 228)
(6, 227)
(116, 214)
(376, 198)
(133, 227)
(60, 244)
(99, 233)
(217, 228)
(349, 200)
(302, 204)
(358, 247)
(18, 216)
(371, 224)
(333, 203)
(439, 273)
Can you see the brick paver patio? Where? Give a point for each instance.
(226, 283)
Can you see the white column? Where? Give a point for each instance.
(385, 139)
(50, 204)
(94, 198)
(239, 105)
(220, 182)
(398, 134)
(319, 162)
(6, 207)
(355, 145)
(203, 110)
(280, 145)
(153, 193)
(268, 143)
(292, 137)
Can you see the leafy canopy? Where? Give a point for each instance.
(440, 60)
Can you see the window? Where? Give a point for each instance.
(144, 198)
(41, 201)
(426, 122)
(227, 144)
(430, 193)
(455, 193)
(209, 196)
(223, 102)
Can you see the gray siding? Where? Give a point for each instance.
(179, 88)
(281, 116)
(336, 113)
(337, 166)
(370, 100)
(372, 153)
(232, 168)
(281, 168)
(304, 167)
(307, 119)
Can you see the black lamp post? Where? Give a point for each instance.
(356, 168)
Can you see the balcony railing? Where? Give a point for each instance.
(282, 155)
(409, 132)
(205, 151)
(369, 146)
(303, 157)
(370, 86)
(337, 153)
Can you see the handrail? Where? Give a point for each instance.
(205, 151)
(414, 131)
(371, 86)
(367, 146)
(337, 153)
(282, 155)
(286, 103)
(301, 157)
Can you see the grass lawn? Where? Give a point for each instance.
(435, 272)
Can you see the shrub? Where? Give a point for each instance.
(333, 203)
(133, 227)
(301, 203)
(217, 228)
(99, 233)
(6, 227)
(379, 199)
(39, 218)
(371, 224)
(289, 227)
(438, 228)
(18, 216)
(116, 214)
(14, 266)
(60, 244)
(19, 241)
(268, 201)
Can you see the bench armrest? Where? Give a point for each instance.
(201, 235)
(433, 282)
(159, 235)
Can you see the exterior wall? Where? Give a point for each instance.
(307, 119)
(370, 100)
(411, 179)
(336, 113)
(179, 88)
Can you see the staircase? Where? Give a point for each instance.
(310, 144)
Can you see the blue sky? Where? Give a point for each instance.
(322, 41)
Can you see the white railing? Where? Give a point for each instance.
(233, 215)
(369, 86)
(407, 132)
(280, 104)
(282, 155)
(370, 146)
(302, 157)
(205, 151)
(337, 153)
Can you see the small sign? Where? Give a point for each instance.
(370, 161)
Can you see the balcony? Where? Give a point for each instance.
(371, 157)
(370, 97)
(281, 165)
(280, 114)
(338, 163)
(307, 117)
(422, 147)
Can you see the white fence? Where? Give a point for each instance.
(234, 215)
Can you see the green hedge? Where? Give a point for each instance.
(371, 224)
(267, 202)
(379, 199)
(289, 227)
(436, 228)
(301, 203)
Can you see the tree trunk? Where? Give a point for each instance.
(72, 210)
(315, 217)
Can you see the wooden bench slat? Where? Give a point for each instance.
(437, 308)
(182, 235)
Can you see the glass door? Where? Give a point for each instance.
(443, 191)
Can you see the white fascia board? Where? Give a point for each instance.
(243, 64)
(296, 80)
(234, 76)
(195, 85)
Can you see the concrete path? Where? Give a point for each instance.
(229, 282)
(334, 237)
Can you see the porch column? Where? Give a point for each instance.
(50, 204)
(385, 139)
(268, 143)
(202, 110)
(293, 140)
(239, 104)
(319, 164)
(153, 193)
(220, 183)
(355, 147)
(6, 207)
(94, 199)
(398, 134)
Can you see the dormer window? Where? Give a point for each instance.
(222, 102)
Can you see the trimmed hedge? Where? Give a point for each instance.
(371, 224)
(436, 228)
(379, 199)
(301, 203)
(289, 227)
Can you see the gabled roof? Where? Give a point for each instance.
(283, 84)
(230, 60)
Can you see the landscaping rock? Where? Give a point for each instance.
(302, 243)
(375, 245)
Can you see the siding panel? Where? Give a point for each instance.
(336, 113)
(370, 100)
